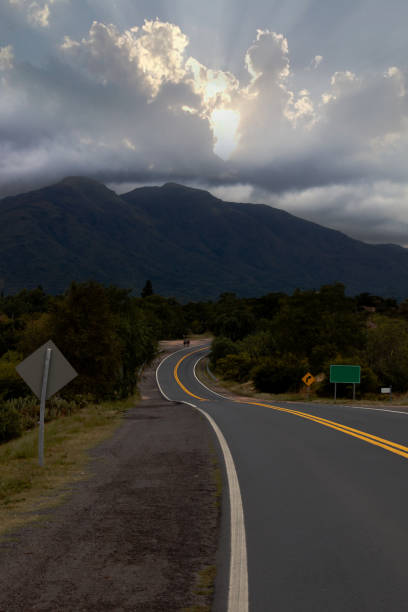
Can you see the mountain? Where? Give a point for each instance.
(189, 243)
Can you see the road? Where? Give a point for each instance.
(324, 497)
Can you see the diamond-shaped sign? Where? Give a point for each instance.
(60, 373)
(308, 379)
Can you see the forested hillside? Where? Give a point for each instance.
(192, 245)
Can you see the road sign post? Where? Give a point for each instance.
(387, 390)
(345, 374)
(42, 406)
(308, 379)
(45, 371)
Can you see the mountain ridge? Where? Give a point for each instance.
(191, 244)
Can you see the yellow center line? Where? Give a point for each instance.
(392, 447)
(175, 372)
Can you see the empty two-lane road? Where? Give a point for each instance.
(324, 496)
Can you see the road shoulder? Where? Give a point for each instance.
(140, 533)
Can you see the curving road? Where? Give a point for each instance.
(324, 493)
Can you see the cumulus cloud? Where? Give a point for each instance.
(111, 105)
(151, 55)
(270, 110)
(37, 14)
(315, 63)
(133, 106)
(6, 57)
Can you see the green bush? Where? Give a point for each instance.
(279, 374)
(22, 413)
(11, 384)
(10, 422)
(221, 347)
(235, 367)
(387, 352)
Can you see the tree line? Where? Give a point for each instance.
(107, 334)
(275, 340)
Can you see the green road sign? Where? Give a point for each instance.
(345, 374)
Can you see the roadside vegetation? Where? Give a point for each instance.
(267, 345)
(263, 345)
(260, 346)
(26, 488)
(105, 333)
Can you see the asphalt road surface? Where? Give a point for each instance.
(324, 495)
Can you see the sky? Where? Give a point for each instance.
(299, 104)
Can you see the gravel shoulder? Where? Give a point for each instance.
(140, 533)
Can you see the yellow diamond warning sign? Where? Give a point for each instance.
(308, 379)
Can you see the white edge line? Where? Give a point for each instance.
(238, 575)
(157, 370)
(377, 409)
(296, 403)
(348, 406)
(205, 386)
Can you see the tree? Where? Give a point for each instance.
(220, 348)
(147, 289)
(279, 374)
(85, 330)
(387, 351)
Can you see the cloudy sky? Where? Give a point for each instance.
(301, 104)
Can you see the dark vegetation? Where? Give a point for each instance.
(273, 341)
(107, 334)
(190, 244)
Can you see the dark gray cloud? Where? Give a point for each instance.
(94, 89)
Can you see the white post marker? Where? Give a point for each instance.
(47, 362)
(388, 391)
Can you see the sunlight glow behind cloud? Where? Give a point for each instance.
(134, 104)
(224, 123)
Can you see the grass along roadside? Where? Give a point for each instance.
(25, 487)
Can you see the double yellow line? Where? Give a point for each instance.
(392, 447)
(175, 372)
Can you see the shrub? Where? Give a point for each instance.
(10, 422)
(235, 367)
(387, 352)
(11, 384)
(279, 374)
(221, 347)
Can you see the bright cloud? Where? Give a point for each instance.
(225, 123)
(6, 57)
(37, 14)
(132, 105)
(317, 60)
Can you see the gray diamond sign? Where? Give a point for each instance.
(60, 372)
(45, 371)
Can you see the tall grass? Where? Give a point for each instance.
(25, 486)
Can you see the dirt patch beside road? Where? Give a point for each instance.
(136, 534)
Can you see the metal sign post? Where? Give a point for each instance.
(345, 374)
(47, 362)
(308, 379)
